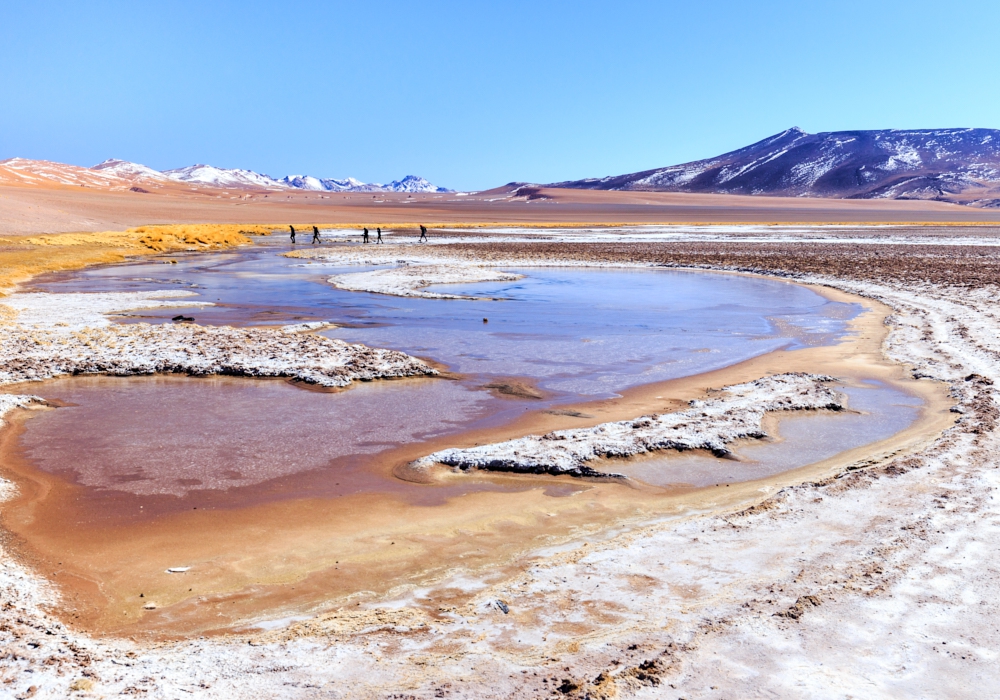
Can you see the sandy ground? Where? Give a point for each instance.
(31, 210)
(874, 576)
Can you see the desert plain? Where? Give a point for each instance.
(871, 573)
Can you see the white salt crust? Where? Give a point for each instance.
(59, 334)
(738, 412)
(409, 280)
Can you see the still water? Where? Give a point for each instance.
(574, 334)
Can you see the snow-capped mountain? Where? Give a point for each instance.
(129, 171)
(248, 179)
(410, 183)
(308, 182)
(118, 174)
(234, 178)
(959, 165)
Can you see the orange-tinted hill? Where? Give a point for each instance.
(44, 197)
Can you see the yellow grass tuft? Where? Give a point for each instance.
(23, 258)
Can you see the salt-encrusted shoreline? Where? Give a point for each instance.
(416, 267)
(880, 582)
(409, 280)
(59, 334)
(710, 424)
(8, 402)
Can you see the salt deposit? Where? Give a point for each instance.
(409, 280)
(711, 425)
(57, 334)
(417, 267)
(8, 402)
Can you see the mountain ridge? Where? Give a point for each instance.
(118, 174)
(953, 165)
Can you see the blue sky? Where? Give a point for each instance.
(476, 94)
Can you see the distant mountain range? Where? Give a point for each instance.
(125, 175)
(953, 165)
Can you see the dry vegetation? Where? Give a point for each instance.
(23, 258)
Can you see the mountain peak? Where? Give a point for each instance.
(128, 170)
(954, 165)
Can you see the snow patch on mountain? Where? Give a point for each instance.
(308, 182)
(116, 174)
(413, 183)
(243, 179)
(201, 174)
(955, 165)
(129, 171)
(25, 171)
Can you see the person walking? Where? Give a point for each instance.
(293, 233)
(423, 234)
(379, 239)
(315, 235)
(364, 236)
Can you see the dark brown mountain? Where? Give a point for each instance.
(954, 165)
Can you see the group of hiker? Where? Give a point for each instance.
(365, 236)
(315, 234)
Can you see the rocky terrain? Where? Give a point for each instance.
(955, 165)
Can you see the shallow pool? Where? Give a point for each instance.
(575, 332)
(876, 411)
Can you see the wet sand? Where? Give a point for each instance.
(313, 554)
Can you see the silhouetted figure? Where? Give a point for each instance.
(293, 233)
(364, 236)
(315, 235)
(423, 234)
(379, 239)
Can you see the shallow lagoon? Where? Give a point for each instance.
(576, 334)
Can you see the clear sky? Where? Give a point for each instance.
(475, 94)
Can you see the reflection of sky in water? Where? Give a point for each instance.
(593, 331)
(579, 331)
(172, 435)
(878, 411)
